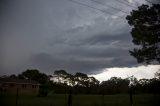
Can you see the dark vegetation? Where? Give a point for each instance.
(89, 85)
(112, 92)
(145, 32)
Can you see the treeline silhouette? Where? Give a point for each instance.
(114, 85)
(80, 83)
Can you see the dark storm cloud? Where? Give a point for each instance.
(104, 39)
(87, 62)
(88, 55)
(71, 64)
(58, 34)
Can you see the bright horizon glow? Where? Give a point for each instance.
(138, 72)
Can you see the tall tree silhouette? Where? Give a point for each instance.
(145, 32)
(34, 74)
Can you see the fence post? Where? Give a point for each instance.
(17, 97)
(131, 96)
(70, 98)
(65, 94)
(102, 99)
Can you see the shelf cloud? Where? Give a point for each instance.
(59, 34)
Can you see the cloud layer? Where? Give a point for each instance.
(58, 34)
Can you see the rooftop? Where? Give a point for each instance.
(13, 80)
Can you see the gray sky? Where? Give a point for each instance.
(59, 34)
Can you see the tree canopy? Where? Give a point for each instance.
(59, 72)
(84, 84)
(145, 32)
(33, 74)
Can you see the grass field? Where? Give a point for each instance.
(78, 100)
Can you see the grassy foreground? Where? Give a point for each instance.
(25, 99)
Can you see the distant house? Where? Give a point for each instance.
(11, 84)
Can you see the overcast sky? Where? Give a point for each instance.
(59, 34)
